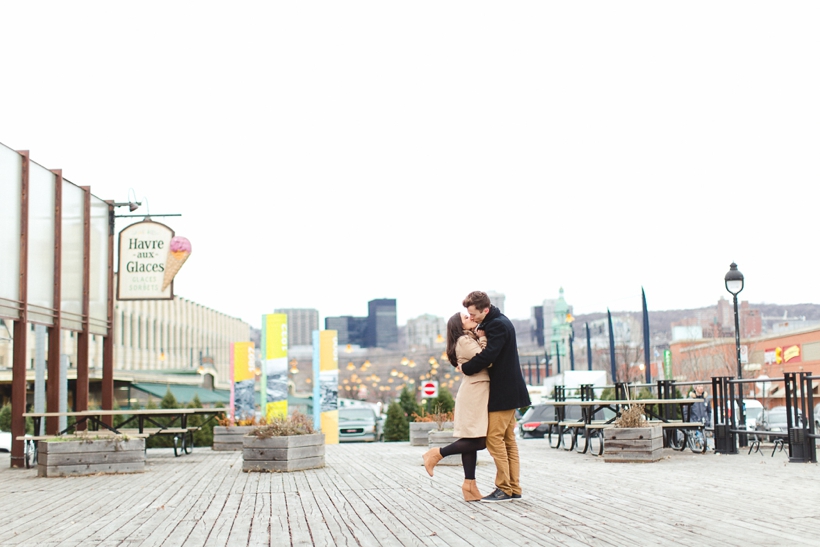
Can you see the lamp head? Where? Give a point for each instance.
(733, 280)
(133, 206)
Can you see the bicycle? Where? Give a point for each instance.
(696, 440)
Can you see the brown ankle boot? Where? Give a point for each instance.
(431, 458)
(470, 490)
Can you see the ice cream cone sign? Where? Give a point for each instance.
(178, 253)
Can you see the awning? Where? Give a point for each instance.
(185, 393)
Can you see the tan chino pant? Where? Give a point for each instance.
(502, 447)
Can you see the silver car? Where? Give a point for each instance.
(359, 424)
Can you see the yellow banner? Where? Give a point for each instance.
(276, 364)
(329, 384)
(328, 350)
(243, 361)
(276, 336)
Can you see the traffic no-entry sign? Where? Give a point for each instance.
(429, 389)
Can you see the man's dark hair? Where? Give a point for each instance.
(478, 299)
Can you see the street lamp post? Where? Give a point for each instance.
(734, 284)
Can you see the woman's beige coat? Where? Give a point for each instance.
(473, 394)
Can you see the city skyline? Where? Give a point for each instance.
(323, 155)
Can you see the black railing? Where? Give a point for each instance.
(730, 425)
(723, 419)
(800, 417)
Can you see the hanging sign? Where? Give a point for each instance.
(150, 257)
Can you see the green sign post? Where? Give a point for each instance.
(667, 364)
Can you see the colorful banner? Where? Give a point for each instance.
(275, 367)
(791, 354)
(326, 384)
(243, 357)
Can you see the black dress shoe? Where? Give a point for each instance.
(516, 496)
(498, 495)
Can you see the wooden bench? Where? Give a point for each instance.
(96, 422)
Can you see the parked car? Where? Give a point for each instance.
(5, 441)
(531, 425)
(360, 424)
(774, 420)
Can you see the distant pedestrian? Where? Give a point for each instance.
(700, 411)
(471, 419)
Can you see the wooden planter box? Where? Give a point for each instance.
(440, 439)
(230, 438)
(293, 453)
(419, 431)
(90, 456)
(633, 444)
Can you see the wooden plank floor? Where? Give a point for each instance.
(379, 494)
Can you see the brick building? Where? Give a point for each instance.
(762, 357)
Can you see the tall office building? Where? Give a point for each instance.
(426, 330)
(350, 329)
(497, 300)
(382, 327)
(301, 324)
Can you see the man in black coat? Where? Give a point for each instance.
(508, 391)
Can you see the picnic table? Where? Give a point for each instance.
(141, 422)
(588, 427)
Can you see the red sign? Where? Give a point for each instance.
(429, 389)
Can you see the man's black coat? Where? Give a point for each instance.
(507, 387)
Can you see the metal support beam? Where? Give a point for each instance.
(20, 335)
(83, 337)
(54, 331)
(108, 342)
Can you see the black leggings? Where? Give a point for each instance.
(468, 448)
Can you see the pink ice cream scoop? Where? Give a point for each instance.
(178, 253)
(179, 243)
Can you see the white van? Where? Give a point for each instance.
(752, 410)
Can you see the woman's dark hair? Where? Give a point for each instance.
(455, 328)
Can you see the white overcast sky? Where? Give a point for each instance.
(324, 154)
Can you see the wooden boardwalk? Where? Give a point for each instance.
(378, 494)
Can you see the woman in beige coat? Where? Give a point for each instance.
(463, 343)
